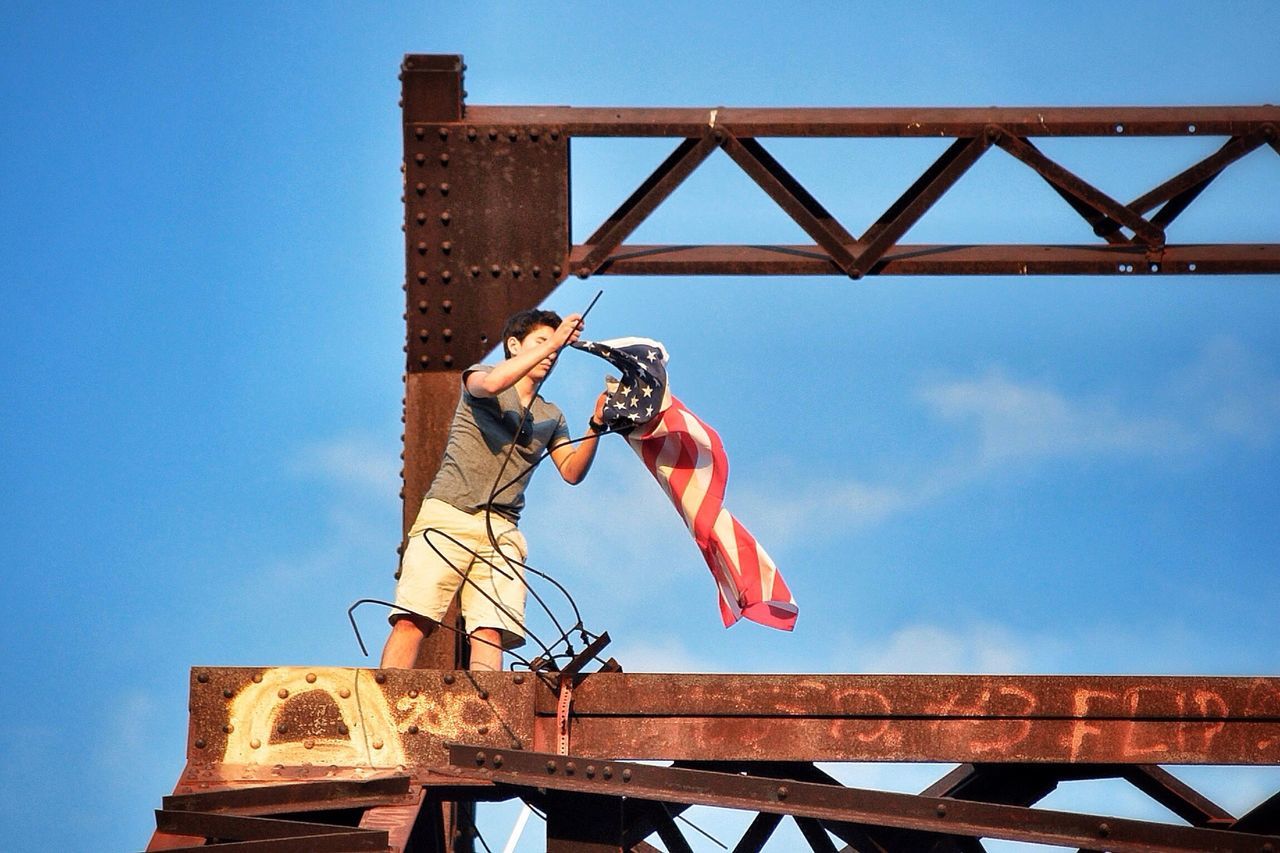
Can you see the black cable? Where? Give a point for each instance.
(365, 651)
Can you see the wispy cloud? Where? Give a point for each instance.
(1024, 420)
(1225, 396)
(976, 648)
(350, 461)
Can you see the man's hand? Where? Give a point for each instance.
(569, 330)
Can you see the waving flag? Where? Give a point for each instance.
(688, 461)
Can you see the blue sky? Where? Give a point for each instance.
(201, 357)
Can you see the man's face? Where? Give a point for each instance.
(537, 335)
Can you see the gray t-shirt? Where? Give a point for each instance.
(480, 438)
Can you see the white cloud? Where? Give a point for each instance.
(1025, 420)
(918, 648)
(351, 461)
(1225, 395)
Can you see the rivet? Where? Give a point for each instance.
(515, 270)
(421, 217)
(607, 772)
(227, 693)
(448, 676)
(203, 678)
(447, 305)
(941, 810)
(419, 158)
(448, 360)
(283, 728)
(422, 305)
(570, 768)
(380, 677)
(512, 134)
(309, 743)
(555, 133)
(413, 694)
(1104, 829)
(471, 133)
(413, 729)
(591, 770)
(444, 133)
(493, 133)
(257, 678)
(626, 774)
(555, 271)
(342, 728)
(282, 693)
(228, 729)
(422, 275)
(534, 133)
(377, 744)
(445, 217)
(200, 743)
(445, 275)
(446, 246)
(424, 360)
(495, 270)
(519, 678)
(444, 188)
(420, 188)
(255, 743)
(423, 334)
(419, 132)
(782, 792)
(475, 271)
(421, 247)
(482, 730)
(1268, 848)
(484, 694)
(537, 270)
(551, 767)
(497, 759)
(444, 159)
(583, 272)
(480, 758)
(447, 334)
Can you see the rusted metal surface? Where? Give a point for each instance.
(939, 259)
(492, 182)
(486, 220)
(845, 805)
(1103, 121)
(294, 723)
(1068, 719)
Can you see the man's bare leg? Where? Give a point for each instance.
(486, 650)
(407, 634)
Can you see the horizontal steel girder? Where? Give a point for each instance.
(833, 803)
(882, 121)
(292, 723)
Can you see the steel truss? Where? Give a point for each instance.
(318, 759)
(296, 759)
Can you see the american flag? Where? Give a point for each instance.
(688, 460)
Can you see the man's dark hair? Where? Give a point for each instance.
(521, 324)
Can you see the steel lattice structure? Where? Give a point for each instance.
(327, 759)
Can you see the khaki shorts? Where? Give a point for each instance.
(493, 593)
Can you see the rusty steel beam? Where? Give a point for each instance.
(250, 724)
(613, 779)
(906, 122)
(940, 259)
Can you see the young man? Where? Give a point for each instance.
(490, 416)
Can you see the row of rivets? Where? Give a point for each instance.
(472, 134)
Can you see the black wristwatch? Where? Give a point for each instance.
(595, 427)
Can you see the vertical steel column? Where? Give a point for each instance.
(431, 91)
